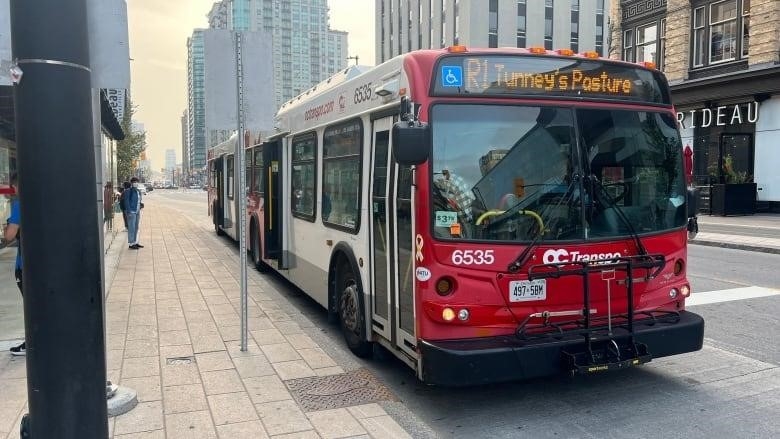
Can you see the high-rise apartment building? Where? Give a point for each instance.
(305, 49)
(170, 159)
(184, 151)
(406, 25)
(196, 111)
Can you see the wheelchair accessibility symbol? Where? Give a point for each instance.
(452, 76)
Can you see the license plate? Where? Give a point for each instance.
(527, 290)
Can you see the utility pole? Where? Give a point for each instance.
(63, 301)
(241, 189)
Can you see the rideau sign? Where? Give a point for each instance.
(719, 116)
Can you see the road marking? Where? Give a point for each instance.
(717, 296)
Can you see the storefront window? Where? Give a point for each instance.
(723, 147)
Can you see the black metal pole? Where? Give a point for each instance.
(63, 309)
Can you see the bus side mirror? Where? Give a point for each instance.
(411, 143)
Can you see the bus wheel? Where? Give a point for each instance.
(351, 313)
(259, 264)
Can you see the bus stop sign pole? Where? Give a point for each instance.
(241, 189)
(63, 294)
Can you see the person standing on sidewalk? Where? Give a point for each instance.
(125, 187)
(132, 201)
(13, 232)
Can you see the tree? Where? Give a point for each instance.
(129, 150)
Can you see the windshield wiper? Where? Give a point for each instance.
(522, 258)
(621, 214)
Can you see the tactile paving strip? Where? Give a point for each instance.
(334, 391)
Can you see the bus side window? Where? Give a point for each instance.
(258, 174)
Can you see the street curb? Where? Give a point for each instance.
(748, 247)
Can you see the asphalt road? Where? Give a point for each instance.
(728, 389)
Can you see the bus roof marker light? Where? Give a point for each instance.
(565, 52)
(536, 50)
(648, 64)
(457, 48)
(387, 89)
(590, 54)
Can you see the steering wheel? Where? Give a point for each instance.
(622, 194)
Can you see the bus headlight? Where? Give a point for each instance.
(463, 315)
(448, 314)
(673, 293)
(685, 290)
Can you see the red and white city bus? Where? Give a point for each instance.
(484, 214)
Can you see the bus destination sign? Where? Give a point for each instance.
(553, 77)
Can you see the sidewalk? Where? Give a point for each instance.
(740, 232)
(173, 328)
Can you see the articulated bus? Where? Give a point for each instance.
(485, 215)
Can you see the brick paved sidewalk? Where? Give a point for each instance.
(173, 328)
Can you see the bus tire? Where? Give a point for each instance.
(351, 311)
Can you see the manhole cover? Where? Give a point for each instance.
(334, 391)
(177, 361)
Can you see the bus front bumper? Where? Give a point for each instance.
(506, 358)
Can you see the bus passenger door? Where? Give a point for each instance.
(219, 193)
(272, 218)
(392, 292)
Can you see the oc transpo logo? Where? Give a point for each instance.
(557, 256)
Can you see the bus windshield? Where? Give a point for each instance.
(510, 173)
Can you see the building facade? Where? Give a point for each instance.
(305, 50)
(184, 149)
(406, 25)
(196, 110)
(170, 159)
(722, 60)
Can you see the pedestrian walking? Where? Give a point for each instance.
(13, 232)
(132, 208)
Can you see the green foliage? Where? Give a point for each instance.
(129, 150)
(731, 175)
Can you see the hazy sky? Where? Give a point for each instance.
(158, 47)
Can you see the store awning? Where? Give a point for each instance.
(756, 84)
(108, 119)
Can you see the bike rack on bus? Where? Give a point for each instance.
(613, 351)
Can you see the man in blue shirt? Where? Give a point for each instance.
(10, 234)
(132, 203)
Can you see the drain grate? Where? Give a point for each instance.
(178, 361)
(334, 391)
